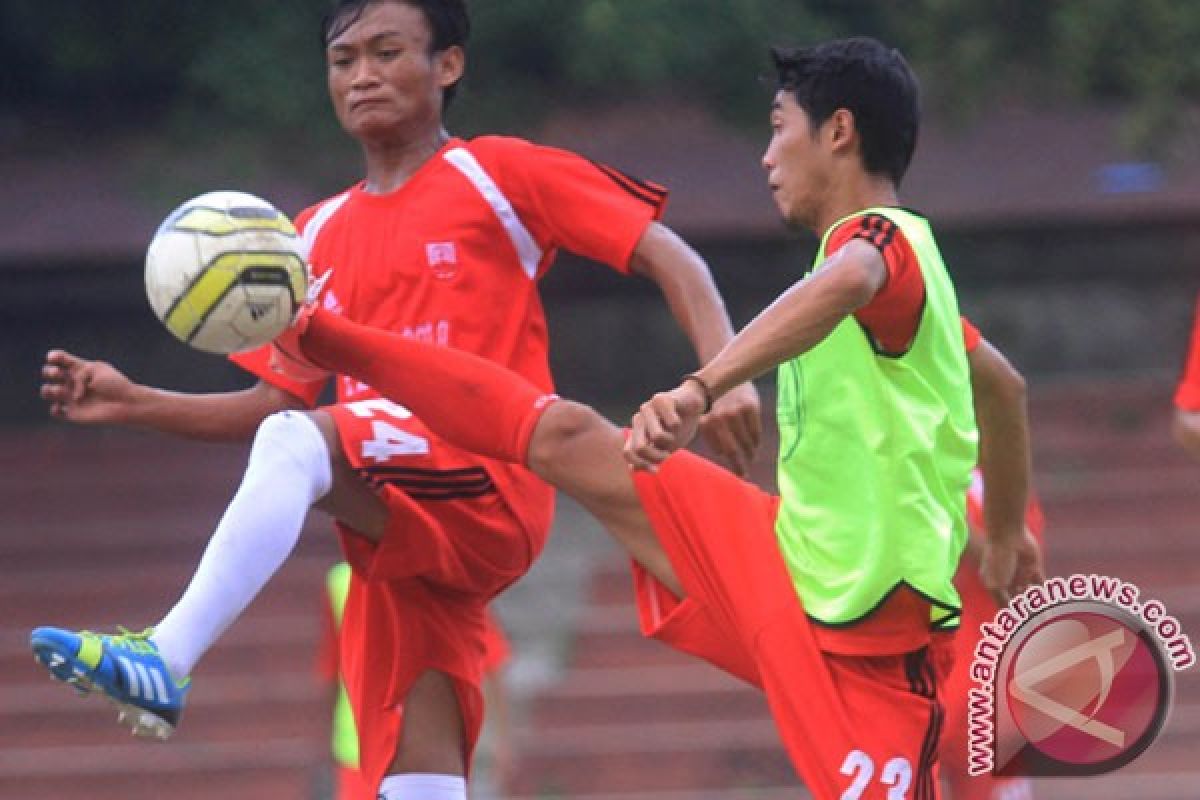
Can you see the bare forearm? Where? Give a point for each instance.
(1004, 452)
(688, 288)
(796, 322)
(1004, 461)
(229, 416)
(732, 426)
(793, 324)
(700, 312)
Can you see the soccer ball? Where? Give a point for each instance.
(225, 272)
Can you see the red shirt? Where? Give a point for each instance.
(1187, 395)
(890, 320)
(453, 256)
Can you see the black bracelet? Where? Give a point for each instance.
(708, 395)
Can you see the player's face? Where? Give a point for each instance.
(796, 163)
(384, 82)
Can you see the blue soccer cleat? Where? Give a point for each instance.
(125, 666)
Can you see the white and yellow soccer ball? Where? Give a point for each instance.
(225, 272)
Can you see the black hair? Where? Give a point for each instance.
(449, 25)
(868, 79)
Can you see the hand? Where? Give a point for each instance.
(664, 424)
(85, 391)
(733, 429)
(1011, 564)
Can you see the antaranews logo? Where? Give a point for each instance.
(1074, 677)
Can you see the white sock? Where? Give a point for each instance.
(422, 786)
(288, 471)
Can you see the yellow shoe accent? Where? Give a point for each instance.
(90, 649)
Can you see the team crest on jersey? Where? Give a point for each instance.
(442, 258)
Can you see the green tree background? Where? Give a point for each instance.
(250, 72)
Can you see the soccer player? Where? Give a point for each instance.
(835, 597)
(442, 242)
(1186, 422)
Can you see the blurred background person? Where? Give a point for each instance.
(1186, 422)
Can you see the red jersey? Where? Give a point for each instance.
(1187, 395)
(453, 256)
(892, 316)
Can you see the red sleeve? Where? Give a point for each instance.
(971, 335)
(892, 316)
(567, 201)
(1187, 395)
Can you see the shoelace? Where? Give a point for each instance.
(135, 642)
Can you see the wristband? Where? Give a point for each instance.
(704, 388)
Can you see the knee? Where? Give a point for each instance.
(291, 441)
(561, 430)
(284, 431)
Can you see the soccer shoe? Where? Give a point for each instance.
(287, 357)
(125, 666)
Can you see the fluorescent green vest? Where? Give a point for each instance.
(345, 733)
(875, 456)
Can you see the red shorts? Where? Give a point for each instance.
(854, 726)
(352, 786)
(496, 648)
(461, 529)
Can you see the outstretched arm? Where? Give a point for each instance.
(1011, 559)
(734, 425)
(796, 322)
(96, 393)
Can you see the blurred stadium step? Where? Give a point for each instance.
(251, 767)
(118, 548)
